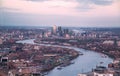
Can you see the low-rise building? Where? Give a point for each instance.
(118, 43)
(108, 42)
(98, 71)
(1, 41)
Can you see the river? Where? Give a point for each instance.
(83, 63)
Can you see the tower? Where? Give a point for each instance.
(60, 31)
(54, 29)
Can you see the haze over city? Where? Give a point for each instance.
(59, 37)
(82, 13)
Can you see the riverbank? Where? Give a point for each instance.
(89, 59)
(98, 45)
(75, 45)
(40, 58)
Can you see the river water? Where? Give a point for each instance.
(83, 63)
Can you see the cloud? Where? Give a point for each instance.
(46, 7)
(74, 12)
(37, 0)
(30, 19)
(86, 5)
(96, 2)
(8, 9)
(102, 2)
(60, 7)
(54, 5)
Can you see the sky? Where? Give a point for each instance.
(78, 13)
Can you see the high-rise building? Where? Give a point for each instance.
(66, 31)
(59, 28)
(54, 29)
(60, 32)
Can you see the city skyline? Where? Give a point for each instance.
(82, 13)
(59, 51)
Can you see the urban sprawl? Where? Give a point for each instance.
(23, 59)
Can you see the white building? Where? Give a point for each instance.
(102, 74)
(98, 71)
(108, 42)
(54, 29)
(96, 74)
(36, 47)
(82, 74)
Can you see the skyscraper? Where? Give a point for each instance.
(60, 32)
(54, 29)
(59, 28)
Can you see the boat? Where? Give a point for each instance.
(59, 68)
(72, 62)
(80, 53)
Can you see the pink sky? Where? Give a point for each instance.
(72, 8)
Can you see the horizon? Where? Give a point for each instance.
(35, 26)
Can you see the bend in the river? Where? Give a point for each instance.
(84, 63)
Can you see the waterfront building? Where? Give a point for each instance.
(96, 74)
(98, 71)
(82, 74)
(102, 74)
(115, 65)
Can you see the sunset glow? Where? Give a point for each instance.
(61, 11)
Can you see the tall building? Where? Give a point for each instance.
(54, 29)
(59, 28)
(66, 31)
(60, 32)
